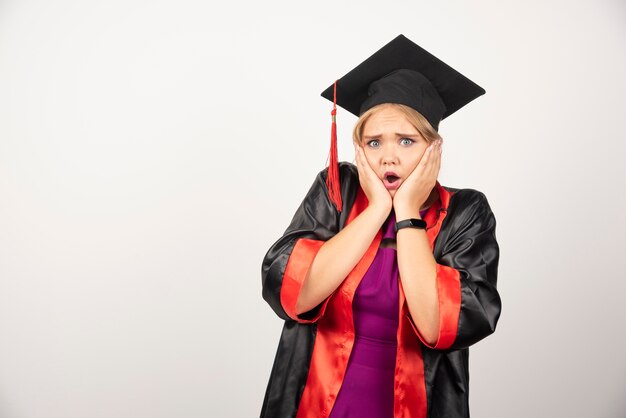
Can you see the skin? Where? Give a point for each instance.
(390, 143)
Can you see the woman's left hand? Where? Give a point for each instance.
(414, 191)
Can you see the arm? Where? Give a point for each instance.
(467, 254)
(418, 274)
(338, 256)
(286, 265)
(416, 263)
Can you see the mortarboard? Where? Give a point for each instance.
(400, 72)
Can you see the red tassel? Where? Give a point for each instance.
(332, 180)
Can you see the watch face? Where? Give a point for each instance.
(418, 223)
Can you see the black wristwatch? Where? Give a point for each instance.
(411, 223)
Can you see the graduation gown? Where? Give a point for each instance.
(430, 380)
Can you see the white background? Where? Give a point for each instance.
(152, 151)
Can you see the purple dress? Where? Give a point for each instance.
(367, 388)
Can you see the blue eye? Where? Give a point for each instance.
(406, 141)
(373, 143)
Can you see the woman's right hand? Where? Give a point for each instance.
(376, 192)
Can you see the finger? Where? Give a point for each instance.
(357, 151)
(439, 155)
(433, 155)
(435, 152)
(361, 173)
(436, 162)
(357, 156)
(427, 155)
(366, 165)
(359, 163)
(362, 163)
(429, 163)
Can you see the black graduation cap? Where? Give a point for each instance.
(403, 72)
(400, 72)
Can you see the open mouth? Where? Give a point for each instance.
(391, 180)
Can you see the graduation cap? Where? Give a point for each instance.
(400, 72)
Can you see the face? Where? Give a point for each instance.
(393, 146)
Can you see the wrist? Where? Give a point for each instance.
(381, 209)
(381, 202)
(403, 212)
(411, 223)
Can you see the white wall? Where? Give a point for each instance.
(152, 151)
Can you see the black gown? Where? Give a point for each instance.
(465, 244)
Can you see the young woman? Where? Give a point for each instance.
(384, 277)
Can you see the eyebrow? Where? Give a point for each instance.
(397, 134)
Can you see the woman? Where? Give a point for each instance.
(384, 277)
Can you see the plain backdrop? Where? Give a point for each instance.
(152, 151)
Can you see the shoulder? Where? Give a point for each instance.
(469, 203)
(347, 172)
(348, 177)
(465, 196)
(349, 181)
(468, 216)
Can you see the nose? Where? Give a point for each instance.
(389, 157)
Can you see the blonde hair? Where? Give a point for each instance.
(415, 118)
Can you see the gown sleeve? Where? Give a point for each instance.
(287, 262)
(467, 254)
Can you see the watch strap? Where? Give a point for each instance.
(410, 223)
